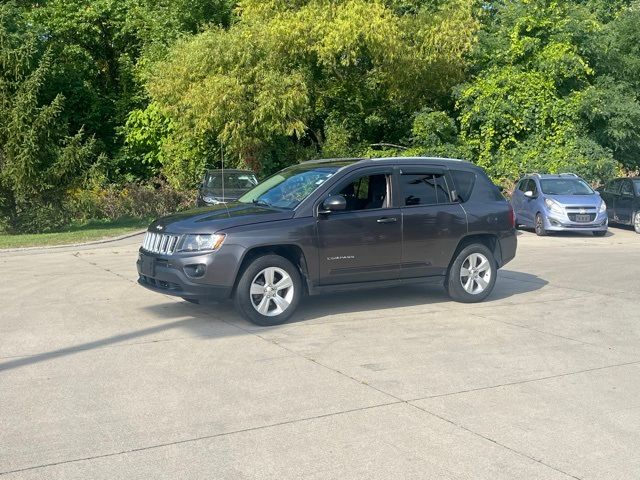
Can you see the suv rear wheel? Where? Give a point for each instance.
(269, 290)
(636, 222)
(472, 274)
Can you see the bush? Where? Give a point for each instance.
(140, 200)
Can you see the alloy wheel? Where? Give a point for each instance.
(475, 273)
(271, 291)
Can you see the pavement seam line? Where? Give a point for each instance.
(526, 327)
(197, 439)
(495, 442)
(313, 360)
(408, 402)
(77, 255)
(531, 380)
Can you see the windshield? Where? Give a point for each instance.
(287, 188)
(565, 186)
(234, 180)
(636, 185)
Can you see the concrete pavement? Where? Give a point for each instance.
(100, 378)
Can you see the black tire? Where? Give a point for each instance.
(539, 226)
(192, 300)
(244, 300)
(599, 233)
(453, 283)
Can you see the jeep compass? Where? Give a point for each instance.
(336, 225)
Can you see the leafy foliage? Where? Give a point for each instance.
(101, 97)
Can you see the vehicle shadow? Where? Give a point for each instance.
(219, 319)
(190, 324)
(509, 284)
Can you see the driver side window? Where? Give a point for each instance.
(366, 193)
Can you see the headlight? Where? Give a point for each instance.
(211, 200)
(554, 206)
(197, 243)
(603, 207)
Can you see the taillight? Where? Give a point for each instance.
(512, 217)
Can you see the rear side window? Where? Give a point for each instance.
(463, 183)
(424, 189)
(627, 188)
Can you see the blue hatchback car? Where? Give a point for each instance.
(555, 203)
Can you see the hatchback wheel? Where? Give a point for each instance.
(540, 230)
(472, 274)
(636, 223)
(269, 290)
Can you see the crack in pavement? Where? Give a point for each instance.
(495, 442)
(196, 439)
(530, 380)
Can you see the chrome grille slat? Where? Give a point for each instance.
(160, 243)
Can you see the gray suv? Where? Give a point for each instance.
(336, 225)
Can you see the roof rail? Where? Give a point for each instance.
(568, 174)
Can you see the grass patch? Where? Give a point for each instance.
(76, 233)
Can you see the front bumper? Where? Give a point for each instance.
(562, 223)
(168, 275)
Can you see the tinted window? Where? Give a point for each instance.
(424, 189)
(613, 187)
(463, 182)
(636, 184)
(565, 186)
(627, 188)
(365, 193)
(532, 186)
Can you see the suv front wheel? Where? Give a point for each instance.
(472, 274)
(269, 290)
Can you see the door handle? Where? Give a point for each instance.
(387, 220)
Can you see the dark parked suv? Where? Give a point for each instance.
(623, 199)
(336, 225)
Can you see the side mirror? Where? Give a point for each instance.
(528, 194)
(335, 203)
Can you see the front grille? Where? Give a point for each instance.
(161, 243)
(573, 217)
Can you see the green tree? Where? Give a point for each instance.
(39, 159)
(538, 102)
(317, 75)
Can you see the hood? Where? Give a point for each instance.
(214, 218)
(592, 200)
